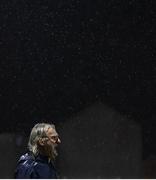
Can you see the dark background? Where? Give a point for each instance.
(58, 57)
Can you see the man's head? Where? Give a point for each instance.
(44, 140)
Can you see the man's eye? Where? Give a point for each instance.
(55, 137)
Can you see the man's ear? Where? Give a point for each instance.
(41, 142)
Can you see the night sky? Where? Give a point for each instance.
(59, 56)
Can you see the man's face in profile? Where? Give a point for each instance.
(52, 142)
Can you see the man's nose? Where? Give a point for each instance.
(58, 141)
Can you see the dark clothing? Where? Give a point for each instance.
(29, 167)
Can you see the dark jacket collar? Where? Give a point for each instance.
(43, 158)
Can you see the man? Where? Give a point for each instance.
(38, 162)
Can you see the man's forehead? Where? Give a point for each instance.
(52, 131)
